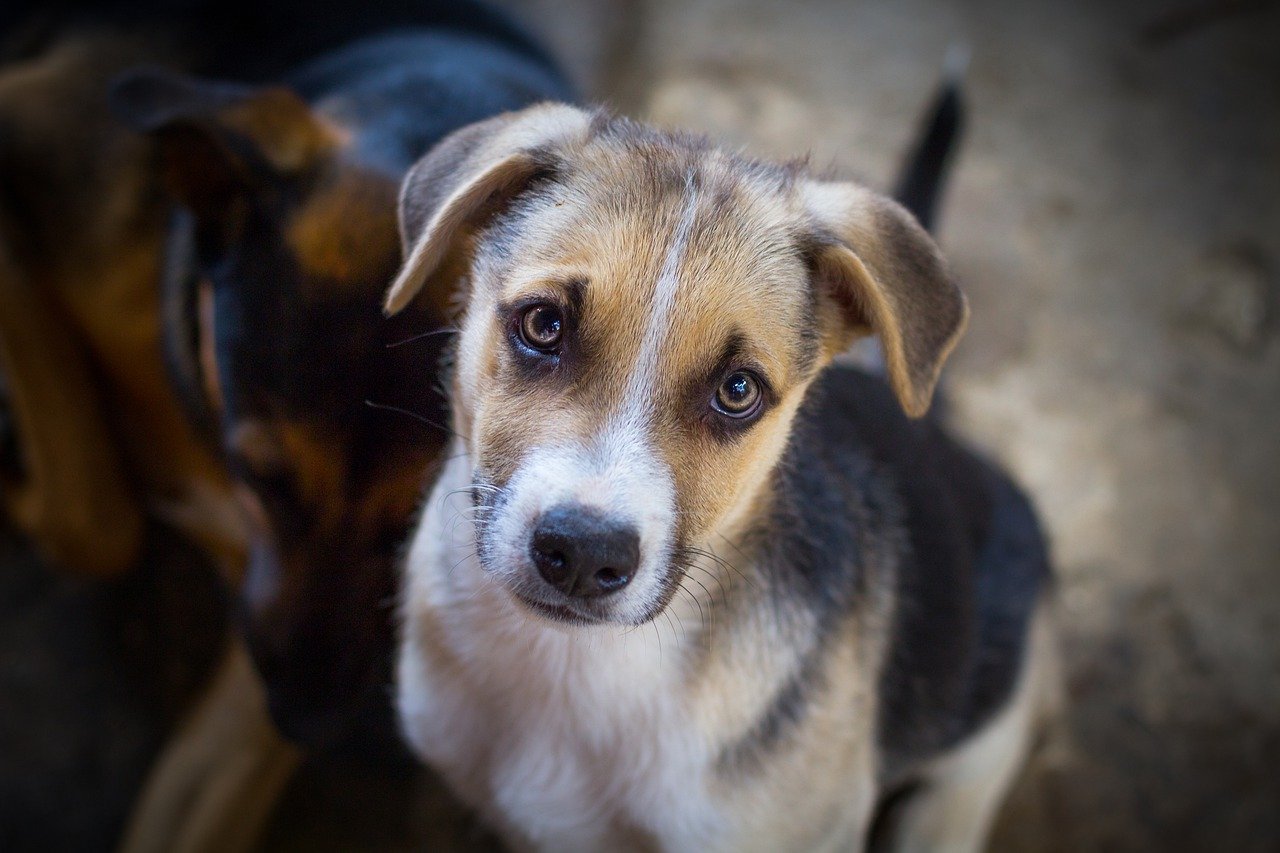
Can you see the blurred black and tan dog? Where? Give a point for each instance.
(682, 583)
(302, 425)
(328, 417)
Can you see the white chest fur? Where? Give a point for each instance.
(566, 738)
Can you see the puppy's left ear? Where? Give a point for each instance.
(878, 272)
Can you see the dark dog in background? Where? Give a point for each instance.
(317, 421)
(327, 414)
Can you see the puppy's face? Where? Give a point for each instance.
(644, 316)
(639, 334)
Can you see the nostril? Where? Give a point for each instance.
(552, 562)
(609, 580)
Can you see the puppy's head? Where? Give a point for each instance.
(643, 315)
(274, 332)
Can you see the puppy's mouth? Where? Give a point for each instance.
(568, 612)
(561, 613)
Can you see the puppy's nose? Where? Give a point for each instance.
(582, 553)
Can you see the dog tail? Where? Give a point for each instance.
(920, 184)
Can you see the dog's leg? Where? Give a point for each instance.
(214, 786)
(958, 802)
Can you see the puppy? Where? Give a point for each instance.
(282, 206)
(683, 584)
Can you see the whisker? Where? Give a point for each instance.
(732, 545)
(469, 491)
(701, 613)
(683, 637)
(722, 562)
(384, 407)
(724, 591)
(452, 330)
(706, 626)
(469, 555)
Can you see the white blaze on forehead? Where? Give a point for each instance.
(638, 396)
(625, 434)
(638, 483)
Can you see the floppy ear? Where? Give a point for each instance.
(219, 141)
(879, 272)
(468, 178)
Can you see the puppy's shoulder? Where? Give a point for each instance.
(969, 563)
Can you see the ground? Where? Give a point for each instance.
(1112, 219)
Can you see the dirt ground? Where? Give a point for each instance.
(1113, 219)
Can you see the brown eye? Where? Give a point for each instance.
(738, 395)
(541, 327)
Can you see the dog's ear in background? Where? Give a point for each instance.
(878, 272)
(468, 178)
(221, 142)
(223, 149)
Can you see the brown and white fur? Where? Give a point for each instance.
(771, 667)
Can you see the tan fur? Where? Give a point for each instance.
(350, 220)
(318, 468)
(288, 132)
(66, 441)
(315, 464)
(620, 262)
(882, 270)
(205, 352)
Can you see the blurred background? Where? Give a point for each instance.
(1113, 217)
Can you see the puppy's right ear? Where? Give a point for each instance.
(468, 178)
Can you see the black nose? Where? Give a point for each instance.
(582, 553)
